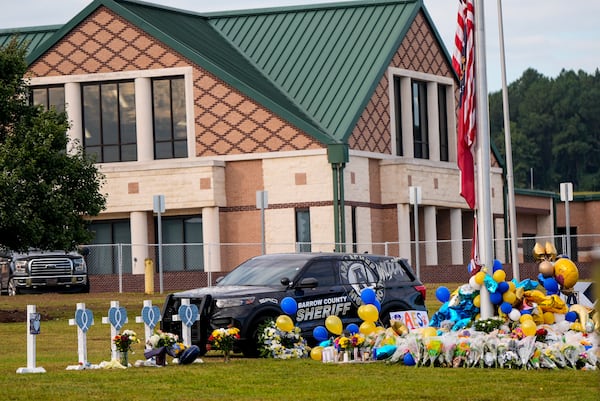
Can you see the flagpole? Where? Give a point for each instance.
(482, 150)
(512, 214)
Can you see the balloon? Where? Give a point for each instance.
(551, 286)
(496, 298)
(429, 332)
(477, 301)
(549, 317)
(367, 328)
(352, 328)
(289, 305)
(546, 269)
(320, 333)
(497, 265)
(529, 327)
(367, 295)
(525, 316)
(377, 305)
(510, 297)
(514, 315)
(284, 323)
(408, 359)
(334, 324)
(473, 283)
(570, 316)
(316, 354)
(502, 287)
(442, 294)
(368, 313)
(469, 268)
(566, 273)
(479, 277)
(512, 286)
(499, 275)
(505, 307)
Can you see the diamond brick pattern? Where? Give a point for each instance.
(226, 121)
(418, 51)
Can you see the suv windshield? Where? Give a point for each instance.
(263, 272)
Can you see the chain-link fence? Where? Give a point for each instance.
(115, 267)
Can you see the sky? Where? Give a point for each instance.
(546, 35)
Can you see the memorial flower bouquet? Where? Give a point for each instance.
(279, 344)
(162, 339)
(123, 341)
(223, 339)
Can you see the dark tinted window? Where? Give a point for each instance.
(323, 271)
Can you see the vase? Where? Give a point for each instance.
(124, 358)
(346, 356)
(355, 351)
(226, 356)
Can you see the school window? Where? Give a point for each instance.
(49, 97)
(397, 105)
(443, 123)
(109, 121)
(170, 126)
(182, 247)
(419, 111)
(303, 230)
(108, 250)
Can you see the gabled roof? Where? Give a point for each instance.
(314, 65)
(34, 36)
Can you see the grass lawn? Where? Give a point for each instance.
(243, 379)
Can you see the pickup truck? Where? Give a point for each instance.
(43, 271)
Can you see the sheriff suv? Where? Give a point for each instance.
(43, 271)
(322, 284)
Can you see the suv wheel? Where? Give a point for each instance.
(12, 288)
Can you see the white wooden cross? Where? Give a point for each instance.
(150, 317)
(84, 319)
(187, 315)
(33, 328)
(117, 317)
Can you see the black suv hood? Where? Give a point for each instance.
(226, 291)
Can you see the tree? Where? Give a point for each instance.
(46, 190)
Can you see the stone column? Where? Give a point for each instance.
(404, 223)
(456, 235)
(74, 112)
(430, 223)
(139, 241)
(143, 119)
(211, 238)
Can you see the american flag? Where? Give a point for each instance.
(463, 61)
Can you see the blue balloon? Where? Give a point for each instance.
(289, 305)
(551, 286)
(469, 267)
(570, 316)
(377, 305)
(497, 265)
(409, 360)
(505, 307)
(442, 294)
(526, 312)
(352, 328)
(502, 287)
(367, 295)
(320, 333)
(496, 298)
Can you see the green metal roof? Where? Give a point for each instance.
(34, 36)
(314, 65)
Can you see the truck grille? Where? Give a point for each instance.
(51, 266)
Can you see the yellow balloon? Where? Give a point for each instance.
(499, 276)
(334, 324)
(549, 318)
(429, 332)
(566, 273)
(509, 297)
(529, 327)
(524, 317)
(477, 301)
(479, 277)
(511, 286)
(316, 353)
(284, 323)
(368, 313)
(367, 328)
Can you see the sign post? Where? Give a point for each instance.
(159, 208)
(566, 195)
